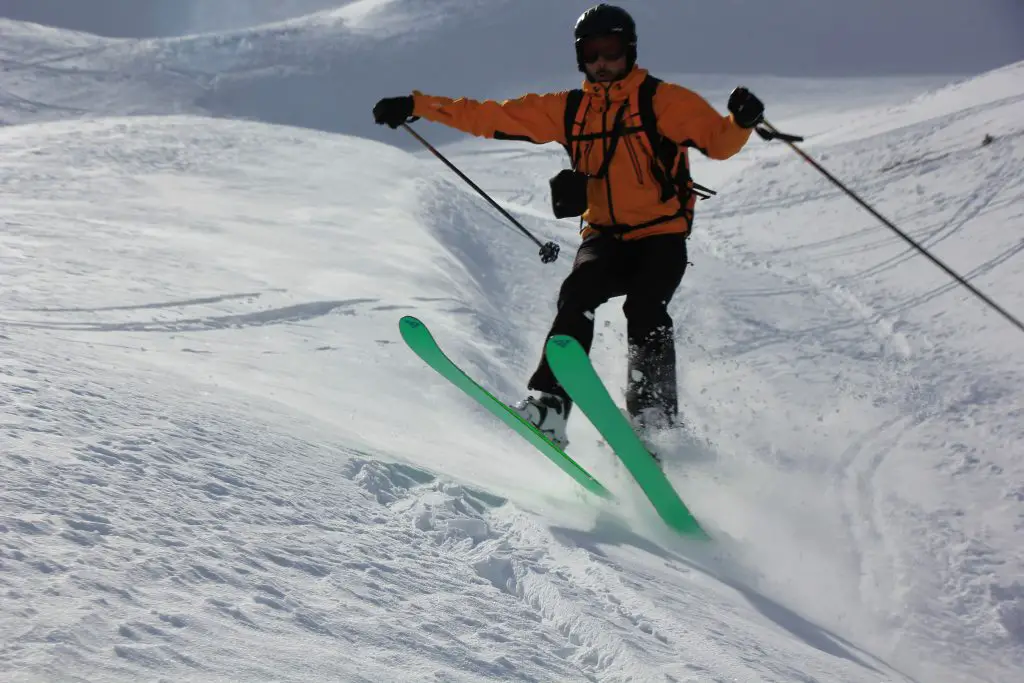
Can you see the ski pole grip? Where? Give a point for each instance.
(768, 132)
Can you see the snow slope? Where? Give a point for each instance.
(791, 37)
(220, 462)
(208, 477)
(324, 70)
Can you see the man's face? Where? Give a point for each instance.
(604, 57)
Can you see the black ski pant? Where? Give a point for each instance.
(647, 272)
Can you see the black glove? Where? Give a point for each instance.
(393, 111)
(747, 110)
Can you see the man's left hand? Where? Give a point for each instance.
(747, 110)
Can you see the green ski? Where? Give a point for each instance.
(577, 376)
(419, 339)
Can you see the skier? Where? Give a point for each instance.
(630, 184)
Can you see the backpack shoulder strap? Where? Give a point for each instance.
(648, 120)
(572, 109)
(663, 149)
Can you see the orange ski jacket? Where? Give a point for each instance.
(628, 195)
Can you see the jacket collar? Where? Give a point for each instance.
(616, 91)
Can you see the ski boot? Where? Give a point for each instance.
(548, 413)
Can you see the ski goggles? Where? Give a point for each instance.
(610, 48)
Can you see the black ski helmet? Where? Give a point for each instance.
(603, 20)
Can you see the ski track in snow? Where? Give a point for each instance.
(199, 382)
(182, 538)
(203, 525)
(941, 395)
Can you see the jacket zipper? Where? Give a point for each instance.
(634, 157)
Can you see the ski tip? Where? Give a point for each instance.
(411, 327)
(413, 331)
(561, 341)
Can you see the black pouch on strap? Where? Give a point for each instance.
(569, 193)
(569, 186)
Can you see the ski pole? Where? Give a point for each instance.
(769, 132)
(548, 251)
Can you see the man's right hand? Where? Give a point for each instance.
(393, 111)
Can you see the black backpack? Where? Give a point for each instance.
(665, 150)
